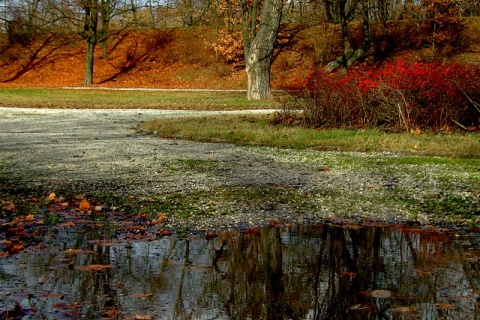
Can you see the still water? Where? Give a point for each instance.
(295, 272)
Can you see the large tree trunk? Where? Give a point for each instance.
(259, 45)
(90, 34)
(89, 61)
(258, 75)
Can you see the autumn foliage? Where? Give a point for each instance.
(401, 95)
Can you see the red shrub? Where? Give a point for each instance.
(404, 94)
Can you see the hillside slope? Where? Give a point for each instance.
(184, 58)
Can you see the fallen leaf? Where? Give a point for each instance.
(143, 317)
(363, 308)
(382, 294)
(17, 312)
(50, 197)
(445, 306)
(94, 267)
(403, 309)
(9, 207)
(79, 251)
(50, 294)
(416, 131)
(13, 247)
(84, 205)
(79, 196)
(74, 305)
(166, 233)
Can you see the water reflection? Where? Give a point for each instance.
(298, 272)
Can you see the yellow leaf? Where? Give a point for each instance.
(30, 217)
(50, 197)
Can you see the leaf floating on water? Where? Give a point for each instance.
(166, 233)
(404, 310)
(13, 247)
(381, 294)
(79, 251)
(94, 267)
(449, 306)
(363, 308)
(17, 312)
(49, 294)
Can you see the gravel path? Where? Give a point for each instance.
(95, 151)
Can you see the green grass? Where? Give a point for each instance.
(129, 99)
(258, 130)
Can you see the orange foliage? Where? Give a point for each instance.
(84, 205)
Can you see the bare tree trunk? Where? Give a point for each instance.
(90, 35)
(188, 16)
(89, 61)
(259, 44)
(258, 76)
(105, 15)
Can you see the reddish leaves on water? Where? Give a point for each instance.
(94, 267)
(17, 312)
(12, 247)
(55, 212)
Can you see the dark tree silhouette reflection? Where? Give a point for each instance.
(329, 271)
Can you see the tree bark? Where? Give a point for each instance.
(90, 34)
(259, 44)
(89, 62)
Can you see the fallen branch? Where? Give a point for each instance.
(476, 105)
(460, 125)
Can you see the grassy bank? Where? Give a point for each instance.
(247, 129)
(258, 130)
(130, 99)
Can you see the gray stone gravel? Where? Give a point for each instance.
(92, 151)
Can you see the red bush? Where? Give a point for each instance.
(404, 94)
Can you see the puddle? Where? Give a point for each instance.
(297, 272)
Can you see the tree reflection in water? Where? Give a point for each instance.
(299, 272)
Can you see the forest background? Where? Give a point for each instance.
(430, 48)
(198, 43)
